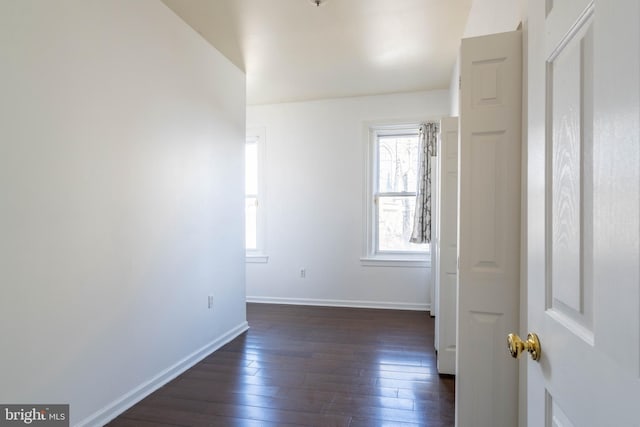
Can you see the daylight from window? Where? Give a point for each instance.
(251, 195)
(395, 198)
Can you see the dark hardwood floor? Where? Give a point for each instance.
(311, 366)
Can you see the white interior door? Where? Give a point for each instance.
(447, 245)
(583, 197)
(435, 239)
(489, 229)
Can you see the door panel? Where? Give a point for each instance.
(448, 245)
(569, 191)
(489, 229)
(583, 201)
(435, 245)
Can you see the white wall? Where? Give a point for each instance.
(493, 16)
(121, 204)
(314, 200)
(486, 17)
(454, 89)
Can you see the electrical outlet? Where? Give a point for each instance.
(210, 301)
(303, 273)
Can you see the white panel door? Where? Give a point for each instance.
(489, 229)
(583, 201)
(435, 238)
(447, 245)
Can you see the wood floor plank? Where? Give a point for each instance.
(312, 366)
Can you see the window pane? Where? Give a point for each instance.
(395, 223)
(251, 168)
(251, 224)
(397, 163)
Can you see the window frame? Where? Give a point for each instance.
(372, 256)
(259, 254)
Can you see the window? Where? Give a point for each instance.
(392, 165)
(254, 197)
(251, 194)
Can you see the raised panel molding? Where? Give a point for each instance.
(569, 104)
(486, 240)
(447, 351)
(486, 339)
(486, 90)
(450, 203)
(566, 152)
(554, 416)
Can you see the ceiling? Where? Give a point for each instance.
(292, 50)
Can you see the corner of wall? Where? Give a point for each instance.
(454, 88)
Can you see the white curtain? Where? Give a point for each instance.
(422, 217)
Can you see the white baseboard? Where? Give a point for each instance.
(341, 303)
(126, 401)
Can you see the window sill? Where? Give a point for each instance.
(395, 262)
(256, 259)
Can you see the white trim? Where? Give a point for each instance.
(126, 401)
(259, 134)
(256, 258)
(378, 261)
(341, 303)
(370, 132)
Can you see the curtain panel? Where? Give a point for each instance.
(422, 217)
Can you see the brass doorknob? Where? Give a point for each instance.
(517, 346)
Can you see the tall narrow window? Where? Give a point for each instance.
(395, 198)
(254, 196)
(251, 194)
(393, 163)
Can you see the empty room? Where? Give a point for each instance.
(319, 213)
